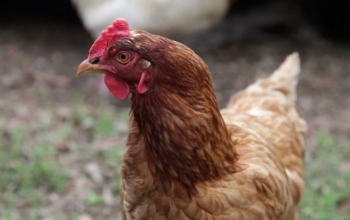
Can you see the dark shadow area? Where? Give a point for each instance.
(331, 19)
(39, 10)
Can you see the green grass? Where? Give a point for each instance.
(39, 159)
(327, 188)
(26, 176)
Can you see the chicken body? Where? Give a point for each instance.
(187, 160)
(267, 134)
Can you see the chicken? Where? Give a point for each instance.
(165, 17)
(187, 160)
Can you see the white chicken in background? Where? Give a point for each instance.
(163, 17)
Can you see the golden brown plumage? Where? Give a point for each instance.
(187, 160)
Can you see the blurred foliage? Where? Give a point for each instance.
(27, 175)
(327, 192)
(44, 156)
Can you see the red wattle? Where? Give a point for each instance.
(117, 86)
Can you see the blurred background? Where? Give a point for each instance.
(61, 139)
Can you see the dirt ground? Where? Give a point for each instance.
(38, 63)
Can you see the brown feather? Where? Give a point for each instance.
(187, 160)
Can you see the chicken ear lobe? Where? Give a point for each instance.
(144, 85)
(117, 86)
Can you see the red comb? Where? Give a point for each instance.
(119, 25)
(119, 29)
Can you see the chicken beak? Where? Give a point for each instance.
(87, 68)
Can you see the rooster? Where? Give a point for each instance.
(187, 160)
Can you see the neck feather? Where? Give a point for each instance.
(185, 137)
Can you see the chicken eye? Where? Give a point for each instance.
(123, 57)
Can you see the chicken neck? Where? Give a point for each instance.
(183, 134)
